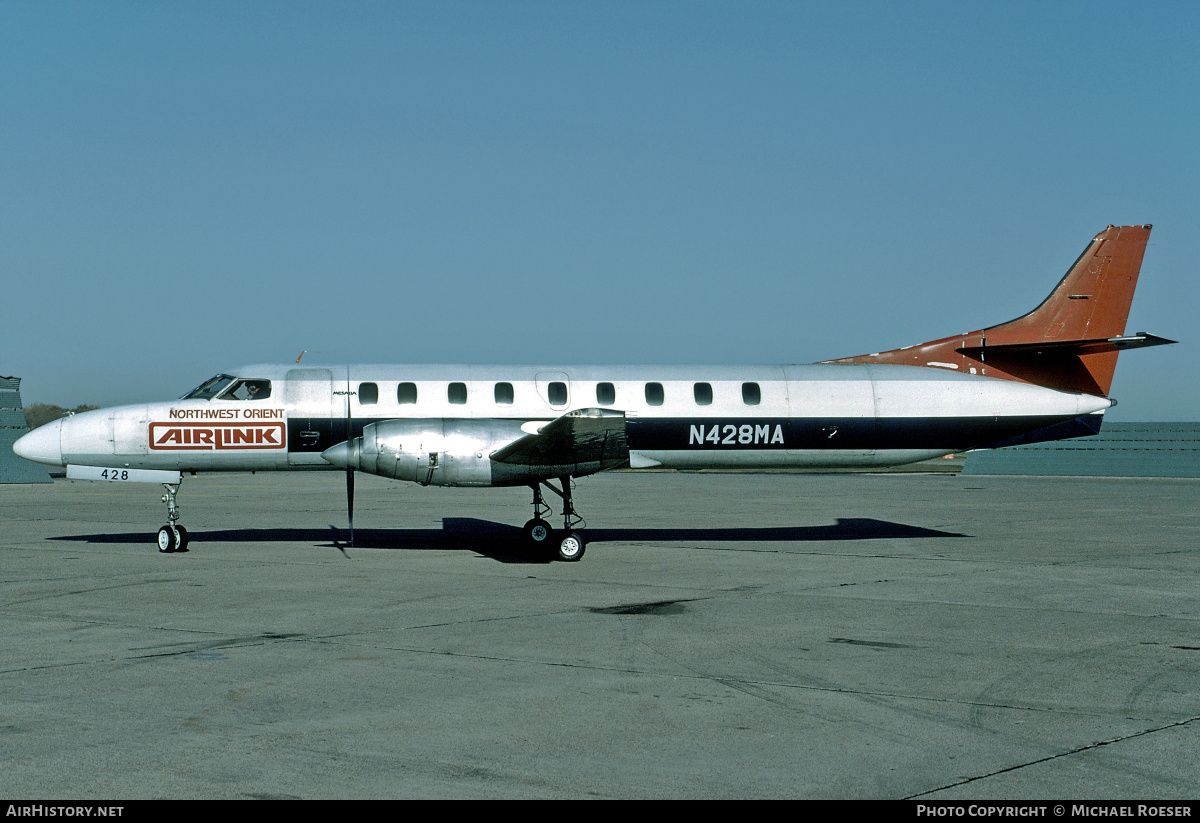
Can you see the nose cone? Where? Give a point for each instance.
(42, 445)
(343, 454)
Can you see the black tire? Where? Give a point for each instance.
(181, 539)
(538, 532)
(166, 540)
(570, 547)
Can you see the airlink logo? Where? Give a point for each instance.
(217, 436)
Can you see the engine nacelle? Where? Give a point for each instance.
(432, 452)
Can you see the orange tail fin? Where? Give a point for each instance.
(1069, 342)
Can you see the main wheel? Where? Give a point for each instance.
(538, 532)
(166, 540)
(570, 548)
(181, 539)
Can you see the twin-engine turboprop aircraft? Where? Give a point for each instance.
(1043, 376)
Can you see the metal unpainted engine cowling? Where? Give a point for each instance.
(436, 451)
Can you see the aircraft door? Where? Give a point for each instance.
(130, 430)
(308, 395)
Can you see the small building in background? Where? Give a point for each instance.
(14, 469)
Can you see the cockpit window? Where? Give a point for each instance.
(248, 390)
(210, 388)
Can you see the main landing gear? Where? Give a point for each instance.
(568, 544)
(172, 537)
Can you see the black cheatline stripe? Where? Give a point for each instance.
(825, 433)
(772, 433)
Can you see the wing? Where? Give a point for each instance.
(580, 442)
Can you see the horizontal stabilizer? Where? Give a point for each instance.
(1111, 344)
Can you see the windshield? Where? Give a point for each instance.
(210, 388)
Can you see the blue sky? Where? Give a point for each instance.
(193, 186)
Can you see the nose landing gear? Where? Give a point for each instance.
(568, 544)
(172, 537)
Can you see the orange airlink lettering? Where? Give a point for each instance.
(217, 436)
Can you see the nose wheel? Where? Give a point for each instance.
(568, 544)
(172, 537)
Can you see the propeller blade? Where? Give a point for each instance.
(350, 468)
(350, 502)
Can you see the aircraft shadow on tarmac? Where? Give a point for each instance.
(503, 542)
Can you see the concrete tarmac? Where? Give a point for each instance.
(726, 635)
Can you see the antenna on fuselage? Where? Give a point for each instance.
(301, 355)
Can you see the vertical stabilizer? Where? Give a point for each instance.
(1069, 342)
(1092, 300)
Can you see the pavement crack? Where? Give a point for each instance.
(1097, 745)
(73, 592)
(188, 648)
(229, 643)
(751, 686)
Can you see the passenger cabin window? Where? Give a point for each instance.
(504, 394)
(456, 393)
(368, 394)
(703, 394)
(406, 394)
(606, 394)
(751, 395)
(557, 392)
(248, 390)
(654, 394)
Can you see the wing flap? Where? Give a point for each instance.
(583, 436)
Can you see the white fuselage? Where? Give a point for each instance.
(675, 416)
